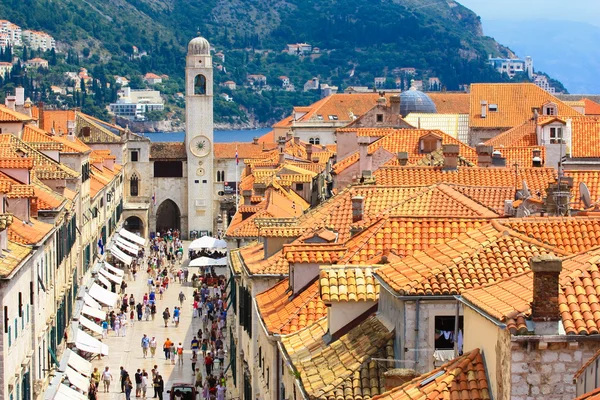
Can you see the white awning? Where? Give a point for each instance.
(88, 343)
(113, 270)
(115, 278)
(120, 255)
(91, 325)
(103, 296)
(104, 281)
(93, 312)
(59, 391)
(122, 247)
(75, 378)
(75, 361)
(207, 261)
(207, 242)
(127, 243)
(89, 300)
(133, 237)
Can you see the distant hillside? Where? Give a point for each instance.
(568, 51)
(359, 40)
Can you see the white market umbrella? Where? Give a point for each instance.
(207, 261)
(207, 242)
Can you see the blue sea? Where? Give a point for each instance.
(244, 135)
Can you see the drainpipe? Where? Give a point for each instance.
(278, 373)
(417, 312)
(456, 316)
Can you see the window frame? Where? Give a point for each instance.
(137, 155)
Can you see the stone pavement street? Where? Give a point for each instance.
(127, 352)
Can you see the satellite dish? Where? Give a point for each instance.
(525, 190)
(585, 195)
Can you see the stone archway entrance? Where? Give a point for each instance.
(168, 216)
(134, 224)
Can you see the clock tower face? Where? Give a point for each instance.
(200, 146)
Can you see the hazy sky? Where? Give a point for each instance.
(571, 10)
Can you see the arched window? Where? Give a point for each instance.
(200, 84)
(311, 141)
(220, 176)
(317, 141)
(134, 185)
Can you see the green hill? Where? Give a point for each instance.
(359, 40)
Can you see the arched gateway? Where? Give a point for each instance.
(168, 216)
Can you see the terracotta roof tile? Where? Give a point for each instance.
(591, 107)
(57, 120)
(515, 102)
(28, 233)
(283, 313)
(475, 258)
(585, 136)
(252, 258)
(168, 151)
(330, 372)
(344, 106)
(521, 135)
(72, 144)
(592, 181)
(16, 254)
(463, 378)
(18, 191)
(593, 395)
(311, 253)
(8, 115)
(451, 103)
(348, 283)
(244, 150)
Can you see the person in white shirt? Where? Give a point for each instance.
(106, 379)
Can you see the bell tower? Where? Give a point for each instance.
(199, 135)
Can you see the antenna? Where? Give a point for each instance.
(524, 193)
(585, 195)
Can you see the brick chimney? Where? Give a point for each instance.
(296, 139)
(255, 140)
(450, 152)
(484, 155)
(403, 158)
(281, 144)
(537, 158)
(358, 203)
(309, 151)
(498, 160)
(398, 377)
(544, 307)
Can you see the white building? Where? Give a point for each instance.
(134, 103)
(5, 68)
(298, 49)
(542, 81)
(512, 66)
(37, 40)
(13, 31)
(311, 84)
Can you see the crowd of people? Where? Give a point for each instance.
(163, 267)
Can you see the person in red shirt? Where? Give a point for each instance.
(208, 363)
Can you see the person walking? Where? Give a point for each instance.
(220, 392)
(128, 387)
(159, 386)
(181, 298)
(167, 348)
(104, 329)
(176, 313)
(139, 309)
(173, 353)
(144, 383)
(92, 391)
(180, 354)
(106, 379)
(145, 345)
(131, 317)
(153, 310)
(208, 363)
(166, 316)
(124, 375)
(123, 325)
(194, 361)
(153, 345)
(138, 383)
(198, 378)
(96, 377)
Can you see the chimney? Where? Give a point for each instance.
(33, 208)
(254, 140)
(395, 104)
(484, 155)
(357, 208)
(71, 128)
(364, 160)
(10, 102)
(544, 307)
(309, 151)
(27, 107)
(281, 143)
(247, 194)
(296, 139)
(450, 152)
(367, 177)
(281, 158)
(41, 115)
(483, 108)
(537, 158)
(498, 160)
(557, 197)
(19, 96)
(403, 158)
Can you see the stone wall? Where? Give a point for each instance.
(538, 373)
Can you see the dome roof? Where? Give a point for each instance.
(198, 46)
(414, 101)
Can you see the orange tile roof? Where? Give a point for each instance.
(46, 198)
(252, 257)
(591, 179)
(571, 234)
(522, 156)
(489, 196)
(475, 258)
(342, 105)
(8, 115)
(591, 107)
(244, 150)
(18, 191)
(509, 300)
(329, 372)
(11, 160)
(403, 236)
(463, 378)
(283, 313)
(593, 395)
(521, 135)
(515, 102)
(72, 145)
(589, 362)
(585, 136)
(28, 233)
(348, 283)
(537, 178)
(451, 103)
(397, 140)
(96, 185)
(322, 253)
